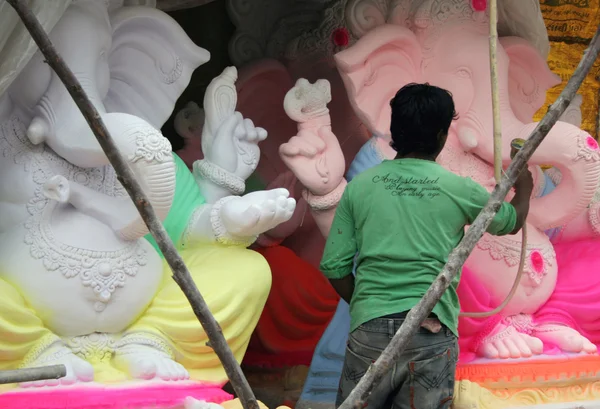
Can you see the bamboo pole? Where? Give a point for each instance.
(33, 374)
(495, 94)
(125, 175)
(498, 158)
(456, 259)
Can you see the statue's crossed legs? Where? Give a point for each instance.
(167, 342)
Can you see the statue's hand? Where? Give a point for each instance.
(316, 159)
(257, 212)
(234, 147)
(228, 140)
(314, 155)
(287, 180)
(189, 121)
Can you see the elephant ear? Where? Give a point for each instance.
(151, 63)
(529, 77)
(375, 68)
(261, 89)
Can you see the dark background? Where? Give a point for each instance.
(210, 28)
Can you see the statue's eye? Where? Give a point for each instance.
(463, 72)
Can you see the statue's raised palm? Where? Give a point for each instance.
(314, 154)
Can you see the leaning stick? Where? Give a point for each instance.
(125, 175)
(33, 374)
(495, 94)
(456, 259)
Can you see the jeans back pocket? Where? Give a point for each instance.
(432, 381)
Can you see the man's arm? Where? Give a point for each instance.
(520, 201)
(510, 216)
(344, 287)
(340, 249)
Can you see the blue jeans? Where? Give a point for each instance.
(423, 376)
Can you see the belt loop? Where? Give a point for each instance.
(391, 328)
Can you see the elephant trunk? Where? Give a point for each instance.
(575, 153)
(59, 123)
(149, 155)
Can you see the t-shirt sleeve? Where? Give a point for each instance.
(505, 220)
(340, 248)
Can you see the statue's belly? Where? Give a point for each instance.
(74, 289)
(495, 263)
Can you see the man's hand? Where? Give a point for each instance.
(524, 181)
(523, 189)
(344, 287)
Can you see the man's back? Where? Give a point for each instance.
(406, 216)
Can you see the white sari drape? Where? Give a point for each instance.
(16, 45)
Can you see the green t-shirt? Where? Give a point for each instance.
(404, 217)
(187, 198)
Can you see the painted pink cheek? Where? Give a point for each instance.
(537, 261)
(591, 143)
(479, 5)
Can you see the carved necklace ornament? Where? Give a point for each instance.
(537, 261)
(102, 271)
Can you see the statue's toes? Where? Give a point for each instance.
(41, 384)
(488, 350)
(182, 373)
(83, 371)
(565, 338)
(78, 370)
(517, 348)
(503, 348)
(571, 343)
(588, 347)
(169, 370)
(145, 368)
(535, 344)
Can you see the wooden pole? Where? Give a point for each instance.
(127, 178)
(456, 259)
(33, 374)
(495, 93)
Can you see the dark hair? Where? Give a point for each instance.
(421, 117)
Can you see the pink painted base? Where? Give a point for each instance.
(156, 396)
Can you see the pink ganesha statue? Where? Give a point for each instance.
(554, 306)
(445, 43)
(82, 282)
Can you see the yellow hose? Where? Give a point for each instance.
(513, 290)
(498, 158)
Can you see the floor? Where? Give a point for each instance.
(276, 387)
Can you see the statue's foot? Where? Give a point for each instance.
(78, 370)
(506, 342)
(145, 362)
(57, 188)
(567, 339)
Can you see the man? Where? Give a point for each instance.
(403, 218)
